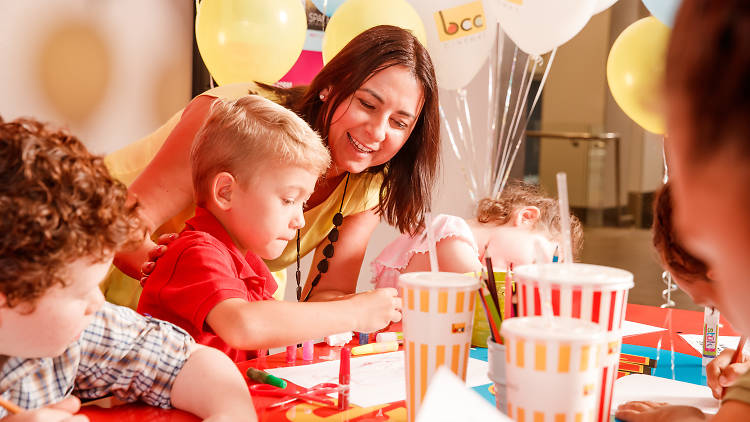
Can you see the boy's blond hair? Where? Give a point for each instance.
(241, 134)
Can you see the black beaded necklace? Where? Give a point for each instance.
(333, 236)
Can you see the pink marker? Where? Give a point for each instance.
(262, 353)
(307, 351)
(291, 353)
(344, 379)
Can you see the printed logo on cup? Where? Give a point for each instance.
(460, 21)
(588, 389)
(458, 328)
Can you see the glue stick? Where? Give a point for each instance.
(710, 334)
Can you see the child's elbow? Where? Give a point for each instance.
(236, 336)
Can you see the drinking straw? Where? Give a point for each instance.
(431, 243)
(562, 200)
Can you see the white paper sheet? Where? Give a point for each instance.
(449, 400)
(630, 328)
(657, 389)
(375, 379)
(725, 342)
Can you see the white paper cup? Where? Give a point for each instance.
(552, 368)
(496, 373)
(593, 293)
(438, 311)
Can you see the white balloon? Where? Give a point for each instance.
(538, 26)
(602, 5)
(459, 37)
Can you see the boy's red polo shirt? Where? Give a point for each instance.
(200, 269)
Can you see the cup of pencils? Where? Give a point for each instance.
(593, 293)
(496, 373)
(438, 312)
(481, 331)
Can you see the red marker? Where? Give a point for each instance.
(344, 378)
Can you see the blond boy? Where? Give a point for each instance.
(254, 164)
(63, 218)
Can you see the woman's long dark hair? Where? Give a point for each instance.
(409, 176)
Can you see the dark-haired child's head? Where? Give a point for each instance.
(63, 218)
(706, 85)
(690, 273)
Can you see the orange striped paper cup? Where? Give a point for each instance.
(593, 293)
(552, 368)
(438, 312)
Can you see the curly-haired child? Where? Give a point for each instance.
(62, 217)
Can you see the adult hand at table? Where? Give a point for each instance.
(62, 411)
(643, 411)
(375, 309)
(154, 254)
(721, 372)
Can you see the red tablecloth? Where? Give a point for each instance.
(683, 322)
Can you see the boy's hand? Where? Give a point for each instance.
(721, 373)
(62, 411)
(154, 254)
(642, 411)
(376, 309)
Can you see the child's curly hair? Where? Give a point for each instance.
(518, 194)
(678, 261)
(58, 204)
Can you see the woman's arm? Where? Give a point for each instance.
(165, 187)
(344, 266)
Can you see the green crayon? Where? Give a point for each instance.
(263, 377)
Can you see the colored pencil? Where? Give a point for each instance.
(492, 286)
(736, 356)
(493, 328)
(12, 408)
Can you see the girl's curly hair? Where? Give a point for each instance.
(518, 194)
(58, 204)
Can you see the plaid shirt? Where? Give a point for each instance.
(120, 353)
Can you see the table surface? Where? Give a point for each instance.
(685, 360)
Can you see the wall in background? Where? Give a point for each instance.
(112, 71)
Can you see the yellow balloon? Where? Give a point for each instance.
(355, 16)
(250, 40)
(635, 72)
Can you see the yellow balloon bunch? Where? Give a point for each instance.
(355, 16)
(635, 72)
(250, 40)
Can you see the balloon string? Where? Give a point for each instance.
(526, 83)
(493, 102)
(506, 107)
(463, 105)
(521, 98)
(664, 157)
(533, 105)
(456, 150)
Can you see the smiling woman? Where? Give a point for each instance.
(375, 105)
